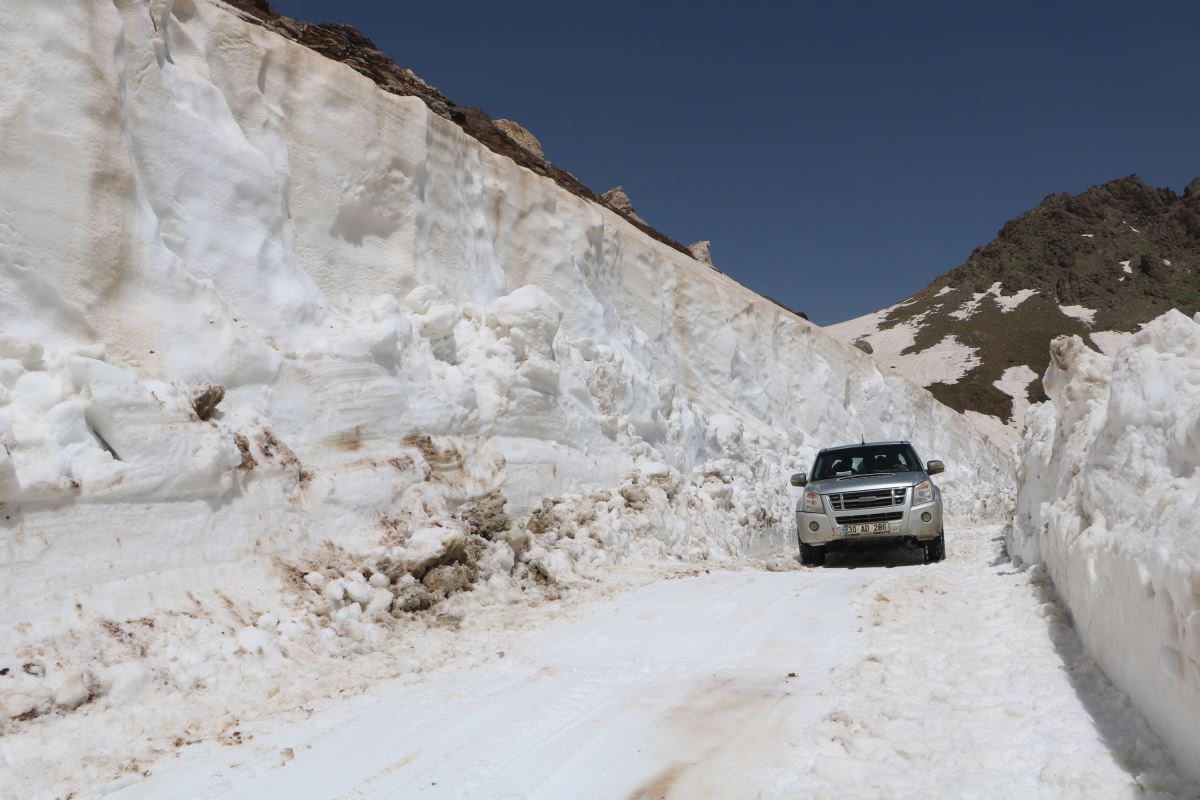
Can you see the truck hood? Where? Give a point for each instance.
(865, 483)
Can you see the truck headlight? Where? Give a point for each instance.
(812, 503)
(922, 493)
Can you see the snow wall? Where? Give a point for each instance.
(402, 322)
(1108, 501)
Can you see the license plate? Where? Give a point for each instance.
(870, 527)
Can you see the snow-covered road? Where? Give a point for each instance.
(954, 680)
(682, 681)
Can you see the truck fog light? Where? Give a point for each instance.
(926, 517)
(813, 526)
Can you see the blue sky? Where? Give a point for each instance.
(838, 155)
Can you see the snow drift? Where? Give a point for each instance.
(273, 336)
(1109, 491)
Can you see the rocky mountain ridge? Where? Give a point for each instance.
(1097, 263)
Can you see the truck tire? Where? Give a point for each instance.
(935, 550)
(812, 555)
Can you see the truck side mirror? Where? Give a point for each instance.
(934, 467)
(799, 479)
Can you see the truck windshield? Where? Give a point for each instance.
(870, 459)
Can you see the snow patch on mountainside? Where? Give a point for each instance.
(1084, 315)
(1006, 303)
(1110, 485)
(1009, 302)
(1015, 383)
(945, 362)
(867, 327)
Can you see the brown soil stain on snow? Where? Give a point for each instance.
(716, 729)
(659, 787)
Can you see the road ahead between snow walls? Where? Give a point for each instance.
(875, 677)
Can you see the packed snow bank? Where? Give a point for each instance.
(286, 357)
(1109, 492)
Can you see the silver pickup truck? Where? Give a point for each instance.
(866, 493)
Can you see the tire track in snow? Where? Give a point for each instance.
(947, 680)
(591, 707)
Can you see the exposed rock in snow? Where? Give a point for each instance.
(521, 135)
(701, 251)
(619, 200)
(1109, 492)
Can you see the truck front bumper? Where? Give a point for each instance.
(820, 529)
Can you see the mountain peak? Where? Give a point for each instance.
(1104, 260)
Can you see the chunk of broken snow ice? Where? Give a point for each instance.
(316, 580)
(76, 690)
(28, 353)
(267, 622)
(428, 546)
(336, 589)
(585, 347)
(380, 602)
(438, 322)
(498, 558)
(421, 298)
(654, 469)
(252, 640)
(527, 308)
(18, 704)
(359, 591)
(354, 576)
(290, 630)
(379, 580)
(125, 681)
(556, 563)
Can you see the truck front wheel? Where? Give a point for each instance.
(935, 550)
(812, 555)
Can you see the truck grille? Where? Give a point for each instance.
(877, 498)
(890, 516)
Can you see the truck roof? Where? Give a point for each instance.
(859, 444)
